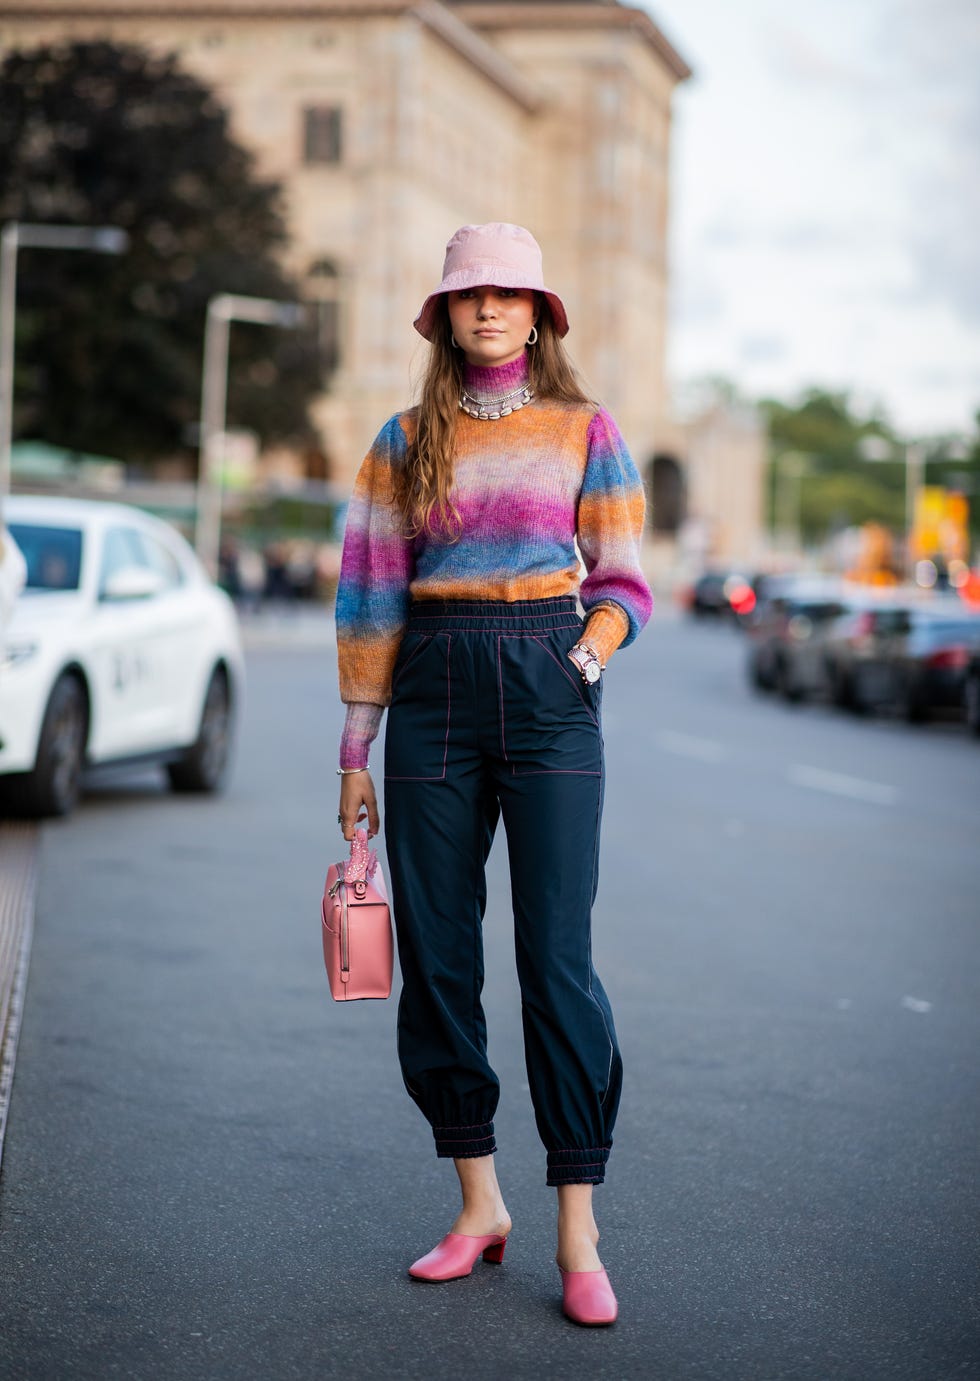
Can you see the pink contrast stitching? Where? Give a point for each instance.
(544, 771)
(449, 700)
(439, 776)
(492, 624)
(500, 684)
(426, 639)
(555, 772)
(463, 1127)
(570, 679)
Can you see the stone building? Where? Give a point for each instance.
(391, 122)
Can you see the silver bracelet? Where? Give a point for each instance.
(346, 771)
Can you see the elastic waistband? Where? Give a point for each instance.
(483, 615)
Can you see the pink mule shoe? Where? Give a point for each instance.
(456, 1255)
(587, 1297)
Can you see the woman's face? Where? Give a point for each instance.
(491, 325)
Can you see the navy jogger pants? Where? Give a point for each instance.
(489, 718)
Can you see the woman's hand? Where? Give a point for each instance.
(358, 803)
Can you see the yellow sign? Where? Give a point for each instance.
(940, 528)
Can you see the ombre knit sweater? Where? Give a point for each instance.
(526, 487)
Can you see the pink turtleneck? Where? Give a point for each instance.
(490, 381)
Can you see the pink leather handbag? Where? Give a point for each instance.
(356, 926)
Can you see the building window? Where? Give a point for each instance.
(323, 290)
(322, 134)
(669, 499)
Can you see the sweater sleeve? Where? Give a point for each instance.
(360, 730)
(615, 594)
(375, 571)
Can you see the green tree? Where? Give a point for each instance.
(842, 483)
(855, 465)
(109, 350)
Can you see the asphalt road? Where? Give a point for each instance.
(212, 1171)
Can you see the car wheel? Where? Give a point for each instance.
(911, 706)
(971, 701)
(53, 788)
(757, 677)
(841, 689)
(860, 702)
(785, 684)
(204, 765)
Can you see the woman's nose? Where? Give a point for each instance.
(486, 305)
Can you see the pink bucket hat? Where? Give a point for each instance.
(499, 255)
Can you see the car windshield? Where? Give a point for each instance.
(53, 555)
(944, 629)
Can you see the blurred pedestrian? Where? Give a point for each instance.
(251, 578)
(275, 560)
(457, 608)
(228, 577)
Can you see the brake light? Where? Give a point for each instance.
(948, 659)
(742, 599)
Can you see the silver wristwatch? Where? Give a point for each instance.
(587, 661)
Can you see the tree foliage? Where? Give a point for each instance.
(854, 465)
(109, 350)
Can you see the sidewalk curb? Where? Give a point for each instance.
(18, 891)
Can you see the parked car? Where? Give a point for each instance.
(119, 649)
(720, 594)
(804, 659)
(784, 634)
(851, 646)
(911, 659)
(971, 693)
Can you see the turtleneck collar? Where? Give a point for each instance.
(490, 381)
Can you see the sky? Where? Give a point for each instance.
(825, 224)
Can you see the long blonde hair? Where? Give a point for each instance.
(423, 485)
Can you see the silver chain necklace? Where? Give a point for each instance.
(491, 409)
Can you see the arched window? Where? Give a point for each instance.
(668, 499)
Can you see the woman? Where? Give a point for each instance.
(457, 609)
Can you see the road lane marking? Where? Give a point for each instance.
(916, 1004)
(840, 784)
(687, 746)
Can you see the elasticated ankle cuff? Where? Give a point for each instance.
(463, 1142)
(577, 1166)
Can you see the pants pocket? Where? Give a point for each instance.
(549, 719)
(417, 735)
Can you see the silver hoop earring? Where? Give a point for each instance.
(454, 342)
(533, 337)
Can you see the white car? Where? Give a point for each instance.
(120, 648)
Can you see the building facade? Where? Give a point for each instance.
(391, 122)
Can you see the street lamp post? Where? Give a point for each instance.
(915, 461)
(103, 239)
(790, 469)
(222, 310)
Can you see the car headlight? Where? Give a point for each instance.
(17, 652)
